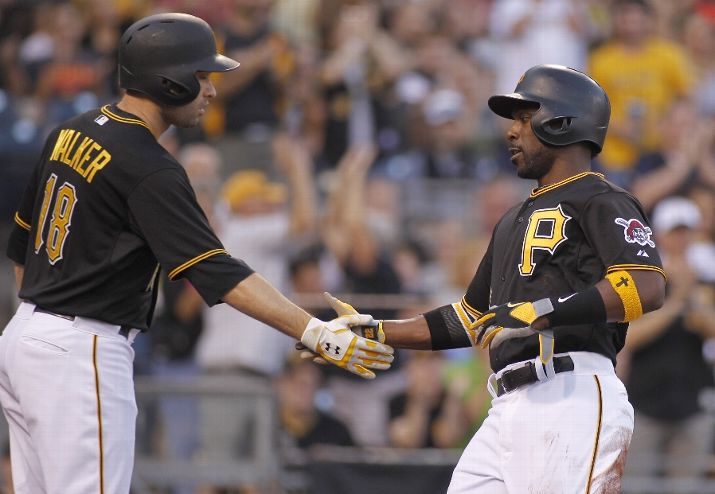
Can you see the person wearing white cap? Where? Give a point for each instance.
(668, 370)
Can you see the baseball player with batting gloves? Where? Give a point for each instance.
(105, 208)
(565, 272)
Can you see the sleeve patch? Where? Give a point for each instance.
(635, 232)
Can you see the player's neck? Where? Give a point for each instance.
(147, 111)
(562, 170)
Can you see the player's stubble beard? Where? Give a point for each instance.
(186, 116)
(535, 164)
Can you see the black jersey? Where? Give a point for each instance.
(106, 206)
(563, 239)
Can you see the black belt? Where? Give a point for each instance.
(123, 330)
(521, 376)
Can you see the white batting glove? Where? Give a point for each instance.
(371, 331)
(337, 344)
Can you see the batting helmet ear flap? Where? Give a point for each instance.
(177, 90)
(557, 125)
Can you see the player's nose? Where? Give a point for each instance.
(209, 89)
(512, 132)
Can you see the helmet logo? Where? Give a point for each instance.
(635, 232)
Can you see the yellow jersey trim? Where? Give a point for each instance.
(474, 312)
(598, 435)
(99, 414)
(134, 121)
(635, 267)
(542, 190)
(21, 223)
(175, 272)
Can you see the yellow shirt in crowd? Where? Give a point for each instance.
(641, 85)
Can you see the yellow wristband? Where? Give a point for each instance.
(625, 286)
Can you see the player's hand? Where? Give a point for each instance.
(371, 332)
(335, 343)
(510, 320)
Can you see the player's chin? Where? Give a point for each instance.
(188, 122)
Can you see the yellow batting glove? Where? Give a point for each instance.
(510, 320)
(335, 342)
(372, 331)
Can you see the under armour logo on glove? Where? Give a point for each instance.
(327, 349)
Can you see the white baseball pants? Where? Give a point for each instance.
(67, 391)
(565, 435)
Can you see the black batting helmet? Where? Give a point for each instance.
(572, 107)
(159, 56)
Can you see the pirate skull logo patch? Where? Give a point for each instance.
(636, 232)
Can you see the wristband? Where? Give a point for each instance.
(446, 329)
(625, 287)
(580, 308)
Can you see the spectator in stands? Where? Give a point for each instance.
(251, 96)
(104, 28)
(643, 74)
(311, 274)
(427, 414)
(265, 220)
(698, 40)
(352, 235)
(304, 425)
(668, 371)
(74, 79)
(356, 223)
(684, 157)
(702, 251)
(443, 144)
(531, 32)
(179, 322)
(465, 372)
(361, 63)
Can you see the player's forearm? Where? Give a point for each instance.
(256, 297)
(623, 296)
(408, 333)
(648, 291)
(19, 273)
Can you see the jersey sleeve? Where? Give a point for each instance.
(618, 229)
(20, 234)
(164, 209)
(476, 299)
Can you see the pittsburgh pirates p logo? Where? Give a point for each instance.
(546, 231)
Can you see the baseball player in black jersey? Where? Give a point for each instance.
(564, 273)
(106, 208)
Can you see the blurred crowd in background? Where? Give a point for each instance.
(353, 152)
